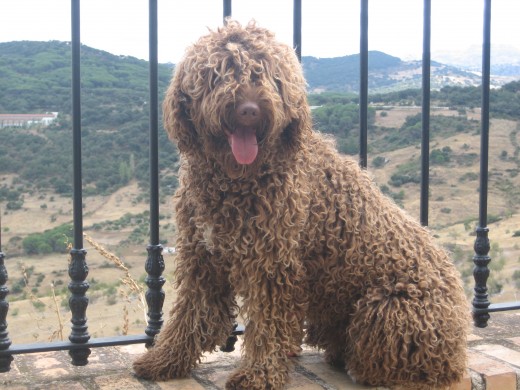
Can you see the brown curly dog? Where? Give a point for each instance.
(268, 211)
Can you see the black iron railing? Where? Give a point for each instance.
(80, 342)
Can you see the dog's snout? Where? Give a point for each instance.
(248, 114)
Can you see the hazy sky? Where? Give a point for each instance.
(330, 27)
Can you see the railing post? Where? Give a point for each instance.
(363, 85)
(5, 361)
(78, 269)
(481, 258)
(155, 263)
(425, 142)
(297, 28)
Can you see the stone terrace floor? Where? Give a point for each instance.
(494, 364)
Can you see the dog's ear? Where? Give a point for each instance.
(176, 116)
(292, 88)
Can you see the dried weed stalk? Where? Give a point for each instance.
(33, 299)
(127, 280)
(59, 332)
(126, 321)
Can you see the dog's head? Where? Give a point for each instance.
(238, 99)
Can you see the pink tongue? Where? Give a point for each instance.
(244, 145)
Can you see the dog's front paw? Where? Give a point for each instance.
(160, 365)
(253, 378)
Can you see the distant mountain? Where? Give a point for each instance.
(342, 73)
(388, 73)
(35, 76)
(505, 59)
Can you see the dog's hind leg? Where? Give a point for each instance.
(330, 337)
(397, 340)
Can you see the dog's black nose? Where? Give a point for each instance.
(248, 113)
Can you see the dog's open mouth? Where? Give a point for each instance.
(244, 145)
(243, 139)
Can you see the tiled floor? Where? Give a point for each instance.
(494, 364)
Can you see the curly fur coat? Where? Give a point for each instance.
(268, 211)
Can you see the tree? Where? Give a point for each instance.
(35, 244)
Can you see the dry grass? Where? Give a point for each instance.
(131, 285)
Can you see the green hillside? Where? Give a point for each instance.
(35, 77)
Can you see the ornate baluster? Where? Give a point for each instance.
(481, 274)
(78, 302)
(5, 361)
(154, 295)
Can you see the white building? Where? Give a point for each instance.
(27, 120)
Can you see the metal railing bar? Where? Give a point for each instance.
(497, 307)
(19, 349)
(154, 124)
(154, 265)
(482, 247)
(484, 151)
(226, 9)
(76, 124)
(363, 85)
(425, 114)
(78, 269)
(99, 342)
(297, 28)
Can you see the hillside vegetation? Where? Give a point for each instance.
(35, 77)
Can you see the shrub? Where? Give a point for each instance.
(52, 240)
(14, 205)
(441, 156)
(406, 173)
(38, 305)
(470, 176)
(378, 162)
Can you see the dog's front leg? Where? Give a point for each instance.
(201, 319)
(274, 306)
